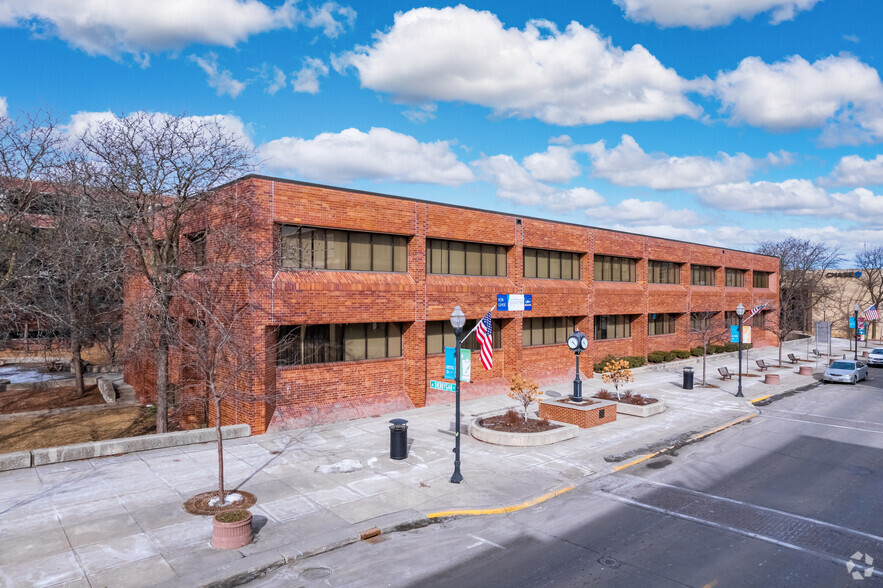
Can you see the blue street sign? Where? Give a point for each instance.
(852, 322)
(734, 333)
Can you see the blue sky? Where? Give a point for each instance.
(716, 121)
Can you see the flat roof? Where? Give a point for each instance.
(548, 220)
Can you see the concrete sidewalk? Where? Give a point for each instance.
(119, 521)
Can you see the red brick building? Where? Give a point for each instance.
(355, 305)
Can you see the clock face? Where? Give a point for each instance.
(572, 342)
(584, 343)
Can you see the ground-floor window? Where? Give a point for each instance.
(759, 320)
(613, 326)
(661, 323)
(306, 344)
(440, 334)
(546, 330)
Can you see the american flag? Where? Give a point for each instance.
(754, 311)
(484, 334)
(871, 314)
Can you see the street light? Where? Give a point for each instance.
(577, 343)
(855, 309)
(740, 310)
(458, 319)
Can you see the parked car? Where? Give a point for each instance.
(844, 370)
(875, 357)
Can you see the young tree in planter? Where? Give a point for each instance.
(525, 391)
(146, 175)
(616, 371)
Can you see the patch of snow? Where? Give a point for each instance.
(230, 499)
(372, 462)
(17, 374)
(342, 467)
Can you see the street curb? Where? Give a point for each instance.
(692, 439)
(501, 509)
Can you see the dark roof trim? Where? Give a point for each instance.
(406, 198)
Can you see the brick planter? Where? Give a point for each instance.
(805, 370)
(771, 379)
(584, 416)
(231, 535)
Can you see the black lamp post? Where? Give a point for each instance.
(577, 343)
(855, 310)
(740, 310)
(458, 319)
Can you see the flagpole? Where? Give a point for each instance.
(466, 336)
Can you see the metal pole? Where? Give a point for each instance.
(739, 391)
(577, 383)
(457, 477)
(855, 312)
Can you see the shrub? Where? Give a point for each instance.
(697, 351)
(729, 347)
(511, 417)
(715, 349)
(599, 367)
(681, 353)
(635, 361)
(658, 356)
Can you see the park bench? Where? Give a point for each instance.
(816, 353)
(762, 364)
(725, 373)
(793, 358)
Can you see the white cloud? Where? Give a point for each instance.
(860, 205)
(788, 95)
(421, 113)
(787, 197)
(852, 170)
(573, 77)
(221, 80)
(307, 79)
(629, 165)
(83, 122)
(516, 183)
(703, 14)
(277, 82)
(141, 27)
(556, 165)
(635, 212)
(3, 106)
(380, 154)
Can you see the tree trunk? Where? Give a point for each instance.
(77, 364)
(162, 384)
(221, 493)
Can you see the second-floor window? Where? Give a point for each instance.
(615, 269)
(761, 279)
(663, 272)
(465, 259)
(702, 275)
(332, 249)
(197, 246)
(556, 265)
(735, 278)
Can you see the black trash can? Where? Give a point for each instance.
(398, 439)
(688, 378)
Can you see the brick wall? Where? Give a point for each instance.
(590, 417)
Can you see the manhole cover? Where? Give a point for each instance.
(608, 562)
(314, 573)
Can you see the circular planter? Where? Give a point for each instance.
(805, 370)
(771, 379)
(233, 534)
(562, 433)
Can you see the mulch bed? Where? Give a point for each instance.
(508, 425)
(12, 401)
(199, 504)
(627, 398)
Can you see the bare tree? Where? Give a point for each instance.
(706, 327)
(870, 262)
(802, 265)
(147, 175)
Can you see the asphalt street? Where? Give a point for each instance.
(785, 499)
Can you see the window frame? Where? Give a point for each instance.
(447, 329)
(552, 255)
(397, 260)
(737, 275)
(667, 320)
(765, 279)
(612, 266)
(670, 268)
(336, 343)
(621, 321)
(547, 324)
(475, 252)
(697, 270)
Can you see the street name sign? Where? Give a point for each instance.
(443, 386)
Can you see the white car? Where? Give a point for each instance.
(875, 357)
(846, 370)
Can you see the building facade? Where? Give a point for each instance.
(356, 296)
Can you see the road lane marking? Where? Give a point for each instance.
(781, 418)
(482, 540)
(502, 509)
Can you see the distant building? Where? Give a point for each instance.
(847, 289)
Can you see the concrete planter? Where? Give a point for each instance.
(562, 433)
(805, 370)
(640, 411)
(231, 535)
(772, 379)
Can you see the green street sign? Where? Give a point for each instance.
(444, 386)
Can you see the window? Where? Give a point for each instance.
(440, 334)
(556, 265)
(661, 324)
(759, 320)
(465, 259)
(614, 326)
(663, 272)
(761, 279)
(307, 344)
(547, 330)
(315, 248)
(701, 321)
(702, 275)
(731, 318)
(197, 246)
(614, 269)
(734, 278)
